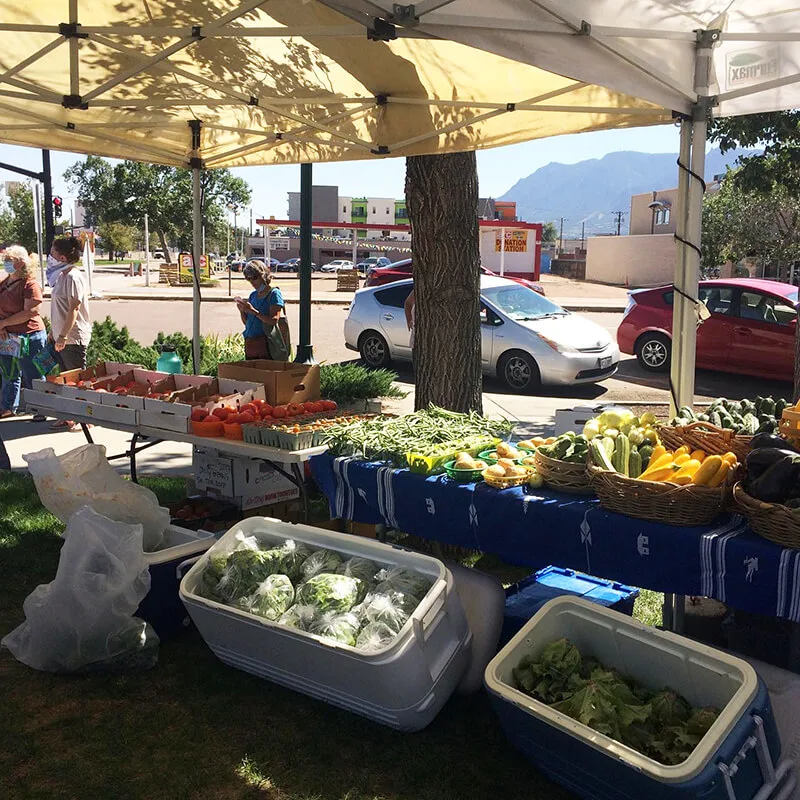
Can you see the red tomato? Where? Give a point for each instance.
(266, 409)
(279, 412)
(310, 407)
(247, 407)
(295, 409)
(199, 414)
(233, 419)
(221, 413)
(246, 417)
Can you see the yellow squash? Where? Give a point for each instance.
(719, 477)
(708, 470)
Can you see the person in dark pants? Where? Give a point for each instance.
(71, 326)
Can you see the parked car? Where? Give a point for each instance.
(366, 264)
(290, 265)
(273, 262)
(378, 276)
(237, 265)
(526, 339)
(335, 266)
(158, 255)
(751, 330)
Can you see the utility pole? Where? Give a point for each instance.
(619, 215)
(583, 234)
(561, 237)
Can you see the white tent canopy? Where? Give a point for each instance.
(695, 57)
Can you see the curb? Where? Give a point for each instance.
(330, 301)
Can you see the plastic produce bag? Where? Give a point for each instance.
(82, 621)
(271, 599)
(328, 592)
(341, 627)
(375, 636)
(321, 561)
(292, 555)
(361, 568)
(391, 608)
(300, 617)
(398, 579)
(84, 477)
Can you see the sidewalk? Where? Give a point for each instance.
(571, 295)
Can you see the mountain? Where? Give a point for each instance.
(591, 191)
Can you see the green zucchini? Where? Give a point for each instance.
(622, 454)
(599, 455)
(635, 463)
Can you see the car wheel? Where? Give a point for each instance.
(374, 349)
(653, 352)
(518, 371)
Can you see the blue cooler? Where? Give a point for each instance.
(733, 761)
(162, 606)
(525, 598)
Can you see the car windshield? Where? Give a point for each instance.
(521, 303)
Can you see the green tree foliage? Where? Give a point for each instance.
(23, 221)
(549, 232)
(740, 223)
(126, 191)
(116, 237)
(779, 134)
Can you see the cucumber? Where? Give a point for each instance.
(715, 418)
(622, 454)
(702, 417)
(645, 451)
(686, 412)
(599, 455)
(635, 463)
(608, 445)
(780, 405)
(749, 425)
(768, 407)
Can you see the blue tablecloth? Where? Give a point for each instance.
(537, 527)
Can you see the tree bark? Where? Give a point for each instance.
(165, 247)
(442, 199)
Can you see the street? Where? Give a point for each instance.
(145, 319)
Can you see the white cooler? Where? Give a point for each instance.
(403, 686)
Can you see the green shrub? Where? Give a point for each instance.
(215, 349)
(109, 342)
(344, 382)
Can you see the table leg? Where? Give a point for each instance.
(86, 433)
(678, 613)
(667, 612)
(300, 481)
(380, 531)
(132, 454)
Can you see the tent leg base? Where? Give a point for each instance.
(305, 354)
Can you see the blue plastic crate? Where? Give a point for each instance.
(525, 598)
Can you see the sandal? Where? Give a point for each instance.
(7, 413)
(59, 424)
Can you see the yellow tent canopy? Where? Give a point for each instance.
(271, 83)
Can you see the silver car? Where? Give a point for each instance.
(526, 339)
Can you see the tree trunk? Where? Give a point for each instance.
(442, 198)
(164, 246)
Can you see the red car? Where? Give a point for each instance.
(751, 330)
(400, 270)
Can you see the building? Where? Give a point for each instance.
(489, 208)
(652, 212)
(324, 204)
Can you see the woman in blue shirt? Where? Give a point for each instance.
(261, 314)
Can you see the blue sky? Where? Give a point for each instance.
(498, 169)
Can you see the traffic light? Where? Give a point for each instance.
(57, 205)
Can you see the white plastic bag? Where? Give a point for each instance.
(84, 477)
(83, 620)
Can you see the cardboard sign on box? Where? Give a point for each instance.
(284, 381)
(249, 483)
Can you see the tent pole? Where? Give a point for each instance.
(305, 351)
(683, 316)
(197, 225)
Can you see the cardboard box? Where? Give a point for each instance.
(573, 419)
(53, 405)
(248, 483)
(284, 381)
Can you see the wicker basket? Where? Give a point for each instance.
(772, 521)
(789, 426)
(660, 501)
(563, 475)
(705, 436)
(505, 483)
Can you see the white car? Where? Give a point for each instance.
(335, 266)
(526, 339)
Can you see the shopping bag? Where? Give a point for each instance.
(83, 620)
(11, 345)
(84, 477)
(45, 360)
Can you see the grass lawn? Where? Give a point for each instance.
(194, 728)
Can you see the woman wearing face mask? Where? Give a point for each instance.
(71, 327)
(21, 326)
(262, 315)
